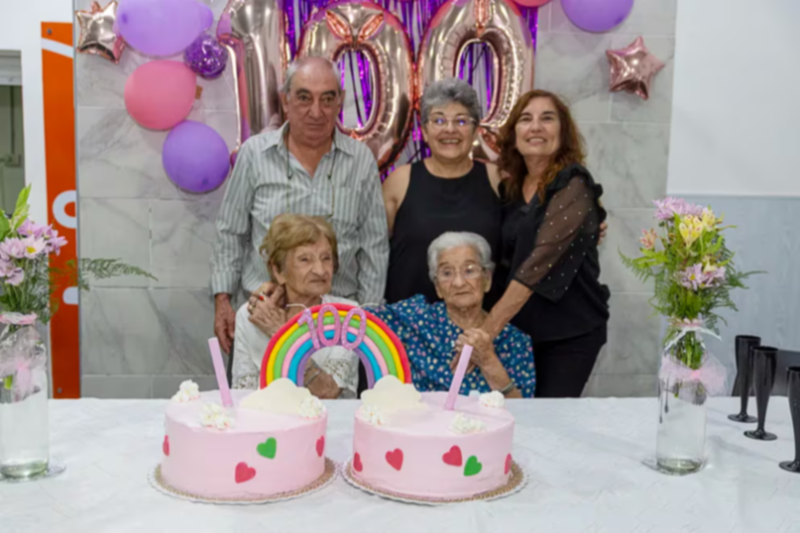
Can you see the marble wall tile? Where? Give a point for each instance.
(146, 331)
(115, 228)
(633, 337)
(621, 386)
(128, 387)
(544, 17)
(629, 160)
(574, 66)
(625, 228)
(117, 158)
(647, 17)
(183, 234)
(166, 386)
(627, 107)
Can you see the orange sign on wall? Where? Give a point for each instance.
(59, 136)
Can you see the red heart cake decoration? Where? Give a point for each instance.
(453, 457)
(320, 445)
(395, 459)
(357, 462)
(244, 473)
(508, 463)
(165, 446)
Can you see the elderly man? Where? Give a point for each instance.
(306, 167)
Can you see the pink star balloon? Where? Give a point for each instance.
(633, 69)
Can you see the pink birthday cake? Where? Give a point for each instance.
(406, 443)
(271, 442)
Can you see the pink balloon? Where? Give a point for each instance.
(159, 95)
(531, 3)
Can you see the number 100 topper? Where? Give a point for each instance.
(329, 325)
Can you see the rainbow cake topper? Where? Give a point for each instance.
(376, 345)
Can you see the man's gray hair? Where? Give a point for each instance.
(453, 239)
(447, 91)
(297, 64)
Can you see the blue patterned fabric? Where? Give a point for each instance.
(429, 337)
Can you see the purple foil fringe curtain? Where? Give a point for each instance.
(415, 16)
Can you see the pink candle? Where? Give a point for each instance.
(219, 370)
(458, 377)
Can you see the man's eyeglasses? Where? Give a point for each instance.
(441, 123)
(469, 272)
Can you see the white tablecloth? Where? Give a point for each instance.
(583, 458)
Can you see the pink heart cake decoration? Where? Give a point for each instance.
(165, 446)
(395, 459)
(453, 457)
(244, 473)
(357, 463)
(508, 463)
(320, 445)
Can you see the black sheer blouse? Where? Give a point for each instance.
(551, 248)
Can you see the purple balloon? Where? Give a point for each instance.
(162, 28)
(596, 16)
(195, 157)
(206, 57)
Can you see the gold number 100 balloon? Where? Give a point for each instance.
(256, 37)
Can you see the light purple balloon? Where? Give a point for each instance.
(595, 15)
(162, 28)
(195, 157)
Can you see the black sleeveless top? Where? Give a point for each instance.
(433, 206)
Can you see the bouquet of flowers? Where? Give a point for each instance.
(694, 274)
(27, 284)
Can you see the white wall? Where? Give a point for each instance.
(736, 106)
(20, 29)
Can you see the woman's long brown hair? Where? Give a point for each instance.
(571, 147)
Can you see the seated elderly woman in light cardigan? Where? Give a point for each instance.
(301, 255)
(460, 266)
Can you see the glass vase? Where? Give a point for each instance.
(681, 440)
(24, 410)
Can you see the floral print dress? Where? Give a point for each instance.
(429, 337)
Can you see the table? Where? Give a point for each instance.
(583, 457)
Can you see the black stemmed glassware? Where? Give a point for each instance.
(764, 361)
(744, 374)
(794, 408)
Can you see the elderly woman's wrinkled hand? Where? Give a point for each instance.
(268, 313)
(264, 291)
(482, 349)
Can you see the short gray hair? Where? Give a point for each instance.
(453, 239)
(447, 91)
(297, 64)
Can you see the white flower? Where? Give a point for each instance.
(189, 391)
(214, 416)
(493, 399)
(464, 425)
(311, 407)
(372, 415)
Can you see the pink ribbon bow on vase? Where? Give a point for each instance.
(20, 354)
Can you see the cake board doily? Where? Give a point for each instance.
(158, 483)
(517, 481)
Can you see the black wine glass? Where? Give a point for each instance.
(764, 361)
(744, 375)
(794, 408)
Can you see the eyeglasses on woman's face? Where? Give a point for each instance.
(469, 272)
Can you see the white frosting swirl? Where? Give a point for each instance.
(311, 407)
(372, 415)
(188, 392)
(214, 416)
(464, 425)
(493, 399)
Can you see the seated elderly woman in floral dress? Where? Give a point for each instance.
(461, 269)
(301, 255)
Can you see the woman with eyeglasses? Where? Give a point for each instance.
(448, 191)
(460, 268)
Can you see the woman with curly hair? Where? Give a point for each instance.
(549, 260)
